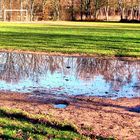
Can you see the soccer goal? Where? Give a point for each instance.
(15, 15)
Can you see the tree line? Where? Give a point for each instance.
(81, 10)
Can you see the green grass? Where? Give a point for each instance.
(111, 39)
(19, 125)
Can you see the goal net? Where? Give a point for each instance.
(15, 15)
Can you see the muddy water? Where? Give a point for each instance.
(69, 75)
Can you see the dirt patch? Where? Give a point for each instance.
(94, 116)
(100, 56)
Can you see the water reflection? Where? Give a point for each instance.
(69, 75)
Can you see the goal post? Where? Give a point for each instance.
(15, 15)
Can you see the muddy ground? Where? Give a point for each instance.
(105, 117)
(73, 55)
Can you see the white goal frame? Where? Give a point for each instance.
(16, 10)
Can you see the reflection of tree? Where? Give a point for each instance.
(14, 66)
(117, 72)
(18, 66)
(8, 72)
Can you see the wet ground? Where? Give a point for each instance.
(100, 96)
(93, 116)
(86, 76)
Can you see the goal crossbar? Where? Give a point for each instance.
(15, 10)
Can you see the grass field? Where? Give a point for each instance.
(111, 39)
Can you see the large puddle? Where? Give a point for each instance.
(69, 75)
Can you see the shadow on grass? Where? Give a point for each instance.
(7, 137)
(19, 125)
(36, 131)
(22, 117)
(81, 43)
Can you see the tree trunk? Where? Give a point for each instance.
(81, 10)
(107, 11)
(31, 9)
(21, 8)
(139, 10)
(10, 11)
(72, 10)
(120, 2)
(132, 14)
(87, 9)
(95, 9)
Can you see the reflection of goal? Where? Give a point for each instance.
(15, 15)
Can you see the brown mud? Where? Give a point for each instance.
(99, 56)
(105, 117)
